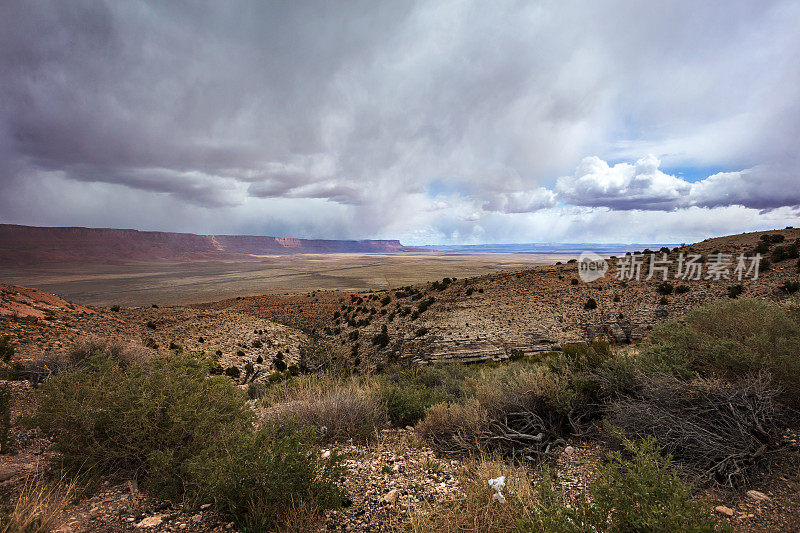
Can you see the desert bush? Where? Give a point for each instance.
(322, 358)
(114, 420)
(407, 393)
(779, 253)
(80, 357)
(258, 478)
(524, 410)
(528, 409)
(682, 289)
(730, 339)
(39, 505)
(734, 291)
(591, 303)
(182, 433)
(6, 349)
(762, 247)
(454, 428)
(664, 288)
(381, 339)
(718, 432)
(5, 418)
(790, 287)
(636, 489)
(344, 411)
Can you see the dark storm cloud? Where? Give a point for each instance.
(231, 115)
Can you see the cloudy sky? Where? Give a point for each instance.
(431, 121)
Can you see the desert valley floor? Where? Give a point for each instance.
(186, 282)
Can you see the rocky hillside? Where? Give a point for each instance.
(27, 245)
(493, 316)
(482, 318)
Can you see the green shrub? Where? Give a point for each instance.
(5, 418)
(6, 349)
(790, 287)
(188, 437)
(590, 304)
(729, 338)
(259, 477)
(664, 288)
(734, 291)
(635, 490)
(381, 339)
(107, 419)
(682, 289)
(408, 393)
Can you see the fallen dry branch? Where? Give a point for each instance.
(720, 432)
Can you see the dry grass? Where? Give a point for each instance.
(340, 411)
(454, 428)
(40, 505)
(300, 518)
(520, 412)
(476, 510)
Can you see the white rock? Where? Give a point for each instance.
(205, 506)
(151, 521)
(391, 496)
(721, 509)
(756, 495)
(325, 454)
(569, 450)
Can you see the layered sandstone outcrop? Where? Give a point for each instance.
(25, 245)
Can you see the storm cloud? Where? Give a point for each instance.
(430, 121)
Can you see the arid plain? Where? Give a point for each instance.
(185, 282)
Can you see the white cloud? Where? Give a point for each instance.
(761, 187)
(642, 186)
(623, 186)
(521, 201)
